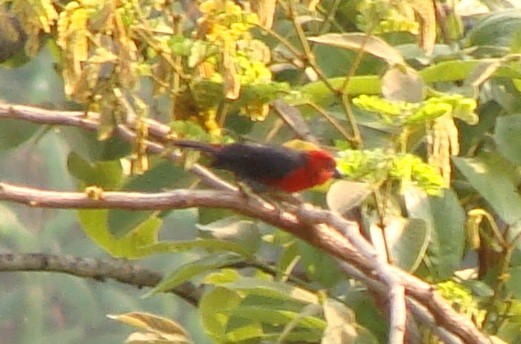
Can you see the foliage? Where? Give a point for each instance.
(422, 109)
(158, 329)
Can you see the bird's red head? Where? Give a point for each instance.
(319, 166)
(322, 166)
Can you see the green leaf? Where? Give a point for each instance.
(271, 289)
(189, 129)
(14, 132)
(135, 244)
(455, 70)
(508, 137)
(515, 46)
(358, 41)
(180, 223)
(319, 266)
(142, 240)
(194, 268)
(448, 238)
(406, 239)
(514, 282)
(479, 289)
(106, 174)
(121, 221)
(445, 221)
(287, 259)
(510, 330)
(334, 61)
(213, 245)
(496, 29)
(161, 176)
(209, 215)
(223, 277)
(233, 229)
(277, 317)
(11, 227)
(483, 71)
(496, 181)
(242, 330)
(472, 135)
(294, 326)
(368, 315)
(250, 313)
(86, 144)
(213, 308)
(317, 92)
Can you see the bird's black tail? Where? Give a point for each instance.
(200, 146)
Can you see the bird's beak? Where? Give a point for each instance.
(337, 175)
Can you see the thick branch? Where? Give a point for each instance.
(98, 269)
(414, 307)
(175, 199)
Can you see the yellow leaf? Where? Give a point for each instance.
(427, 17)
(265, 11)
(232, 85)
(301, 145)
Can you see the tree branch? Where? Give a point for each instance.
(90, 121)
(414, 307)
(97, 269)
(306, 223)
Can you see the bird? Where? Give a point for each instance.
(271, 167)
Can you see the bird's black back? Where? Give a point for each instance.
(258, 162)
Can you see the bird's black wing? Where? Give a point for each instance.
(259, 162)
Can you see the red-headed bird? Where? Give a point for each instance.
(276, 167)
